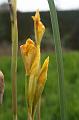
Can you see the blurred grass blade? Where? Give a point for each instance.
(26, 91)
(56, 37)
(13, 15)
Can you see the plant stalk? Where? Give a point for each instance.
(30, 117)
(13, 16)
(38, 110)
(56, 37)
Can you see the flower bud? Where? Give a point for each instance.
(39, 28)
(41, 83)
(43, 74)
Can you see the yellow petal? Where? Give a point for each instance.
(27, 47)
(43, 74)
(39, 28)
(28, 51)
(36, 63)
(37, 16)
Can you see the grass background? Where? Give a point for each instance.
(50, 98)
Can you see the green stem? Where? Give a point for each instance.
(26, 88)
(26, 98)
(13, 15)
(26, 77)
(29, 111)
(56, 37)
(30, 117)
(38, 110)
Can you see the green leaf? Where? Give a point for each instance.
(57, 42)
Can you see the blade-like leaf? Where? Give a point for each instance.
(56, 38)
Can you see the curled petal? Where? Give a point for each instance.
(37, 16)
(27, 47)
(39, 28)
(28, 51)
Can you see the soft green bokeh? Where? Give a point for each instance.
(50, 99)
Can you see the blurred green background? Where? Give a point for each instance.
(50, 98)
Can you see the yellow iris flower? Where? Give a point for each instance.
(31, 56)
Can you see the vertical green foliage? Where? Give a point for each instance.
(13, 15)
(56, 37)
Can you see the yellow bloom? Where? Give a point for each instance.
(38, 27)
(28, 51)
(31, 56)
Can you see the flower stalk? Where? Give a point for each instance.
(13, 16)
(39, 110)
